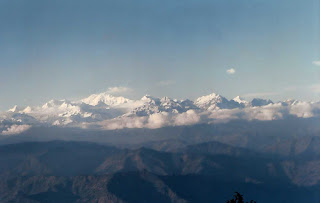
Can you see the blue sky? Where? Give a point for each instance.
(177, 48)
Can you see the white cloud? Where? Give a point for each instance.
(166, 83)
(264, 113)
(187, 118)
(268, 112)
(224, 115)
(302, 110)
(16, 129)
(316, 63)
(122, 122)
(158, 120)
(231, 71)
(118, 90)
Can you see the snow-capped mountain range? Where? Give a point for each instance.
(113, 112)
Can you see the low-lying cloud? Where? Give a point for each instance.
(156, 120)
(187, 118)
(15, 129)
(264, 113)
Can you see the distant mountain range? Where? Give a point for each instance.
(104, 111)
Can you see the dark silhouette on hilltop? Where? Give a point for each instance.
(238, 198)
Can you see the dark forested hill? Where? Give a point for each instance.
(87, 172)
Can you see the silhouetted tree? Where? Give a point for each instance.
(238, 198)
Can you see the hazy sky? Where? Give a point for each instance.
(177, 48)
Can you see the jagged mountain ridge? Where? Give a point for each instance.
(97, 109)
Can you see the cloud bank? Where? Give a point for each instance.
(15, 129)
(155, 120)
(264, 113)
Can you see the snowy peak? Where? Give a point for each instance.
(59, 106)
(240, 100)
(176, 106)
(17, 109)
(215, 101)
(14, 109)
(27, 110)
(153, 105)
(150, 99)
(105, 98)
(53, 103)
(209, 98)
(99, 109)
(210, 102)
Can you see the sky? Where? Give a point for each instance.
(177, 48)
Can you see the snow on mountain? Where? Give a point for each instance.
(10, 118)
(153, 105)
(215, 101)
(61, 108)
(54, 111)
(105, 98)
(14, 109)
(241, 101)
(112, 112)
(27, 110)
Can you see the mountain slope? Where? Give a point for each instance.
(134, 187)
(82, 171)
(214, 101)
